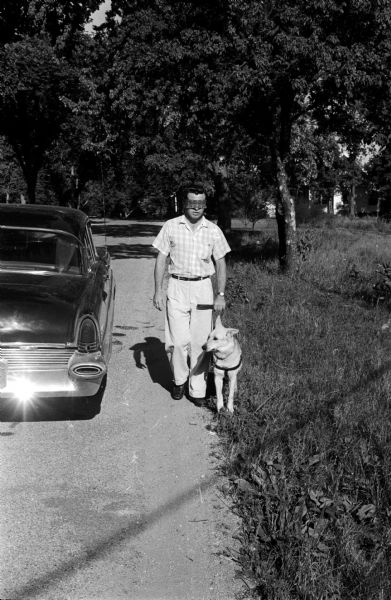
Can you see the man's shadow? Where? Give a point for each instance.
(151, 355)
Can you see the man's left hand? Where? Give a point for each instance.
(219, 304)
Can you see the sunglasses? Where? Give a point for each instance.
(195, 206)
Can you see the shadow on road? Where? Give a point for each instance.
(103, 547)
(117, 251)
(126, 229)
(153, 352)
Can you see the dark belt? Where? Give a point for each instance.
(189, 278)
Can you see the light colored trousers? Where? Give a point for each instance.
(187, 329)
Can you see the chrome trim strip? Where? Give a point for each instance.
(66, 233)
(36, 359)
(43, 345)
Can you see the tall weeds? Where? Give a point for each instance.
(308, 449)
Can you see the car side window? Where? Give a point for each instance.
(89, 244)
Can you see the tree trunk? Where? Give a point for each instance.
(31, 181)
(352, 201)
(330, 203)
(330, 191)
(222, 196)
(285, 206)
(286, 218)
(30, 168)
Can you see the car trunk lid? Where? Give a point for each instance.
(39, 308)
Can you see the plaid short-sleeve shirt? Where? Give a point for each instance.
(191, 251)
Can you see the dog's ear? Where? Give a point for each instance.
(231, 332)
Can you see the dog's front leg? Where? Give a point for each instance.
(232, 376)
(219, 376)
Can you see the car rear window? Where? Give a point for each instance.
(38, 250)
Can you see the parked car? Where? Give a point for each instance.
(57, 294)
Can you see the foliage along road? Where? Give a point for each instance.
(126, 504)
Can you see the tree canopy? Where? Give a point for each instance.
(214, 80)
(37, 75)
(34, 85)
(59, 20)
(174, 90)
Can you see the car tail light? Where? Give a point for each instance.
(88, 336)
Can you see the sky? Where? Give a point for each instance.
(99, 16)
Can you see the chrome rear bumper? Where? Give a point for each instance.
(49, 372)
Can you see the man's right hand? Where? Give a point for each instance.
(158, 300)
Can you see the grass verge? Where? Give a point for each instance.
(308, 448)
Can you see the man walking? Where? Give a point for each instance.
(196, 248)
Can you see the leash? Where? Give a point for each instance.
(207, 307)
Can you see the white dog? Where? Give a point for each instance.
(227, 359)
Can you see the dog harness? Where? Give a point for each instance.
(216, 366)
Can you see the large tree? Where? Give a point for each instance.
(322, 59)
(34, 85)
(38, 76)
(168, 82)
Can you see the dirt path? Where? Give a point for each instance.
(127, 505)
(185, 533)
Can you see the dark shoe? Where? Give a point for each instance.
(198, 401)
(178, 391)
